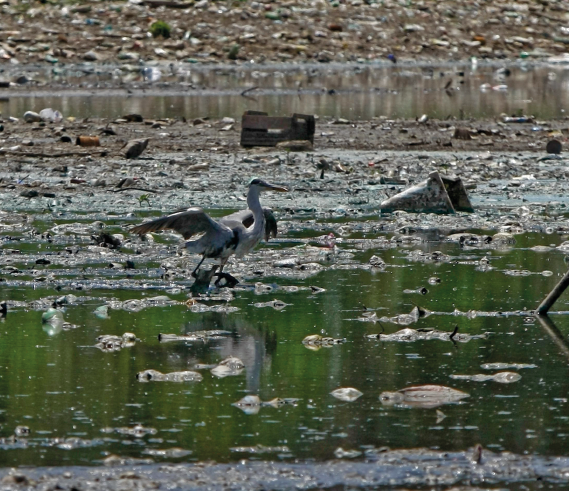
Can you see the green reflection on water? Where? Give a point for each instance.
(61, 386)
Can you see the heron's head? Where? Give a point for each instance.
(266, 186)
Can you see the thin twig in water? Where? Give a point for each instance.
(454, 332)
(52, 156)
(249, 90)
(134, 189)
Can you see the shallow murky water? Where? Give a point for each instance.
(353, 92)
(82, 404)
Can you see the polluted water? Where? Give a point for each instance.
(355, 334)
(82, 334)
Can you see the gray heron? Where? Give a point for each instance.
(237, 233)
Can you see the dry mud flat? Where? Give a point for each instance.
(291, 30)
(514, 186)
(354, 165)
(415, 468)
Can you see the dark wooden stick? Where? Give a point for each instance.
(553, 295)
(133, 189)
(249, 89)
(550, 328)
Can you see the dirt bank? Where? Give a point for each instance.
(288, 30)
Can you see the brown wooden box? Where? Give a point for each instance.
(259, 129)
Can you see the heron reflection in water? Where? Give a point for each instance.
(237, 233)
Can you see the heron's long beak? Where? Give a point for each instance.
(274, 187)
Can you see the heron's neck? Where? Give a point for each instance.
(255, 206)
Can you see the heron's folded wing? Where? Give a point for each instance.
(247, 219)
(188, 223)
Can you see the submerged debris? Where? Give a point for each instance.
(425, 396)
(347, 394)
(156, 376)
(500, 377)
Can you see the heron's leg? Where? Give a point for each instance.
(198, 267)
(219, 274)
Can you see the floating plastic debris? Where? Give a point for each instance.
(425, 396)
(501, 377)
(156, 376)
(347, 394)
(437, 194)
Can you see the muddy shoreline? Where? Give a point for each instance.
(416, 468)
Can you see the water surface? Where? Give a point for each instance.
(82, 404)
(358, 92)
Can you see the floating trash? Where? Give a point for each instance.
(117, 461)
(554, 147)
(402, 319)
(203, 336)
(135, 148)
(102, 312)
(22, 431)
(231, 366)
(53, 322)
(408, 335)
(425, 396)
(260, 449)
(137, 431)
(50, 115)
(501, 377)
(88, 141)
(32, 117)
(156, 376)
(110, 343)
(340, 453)
(169, 453)
(504, 366)
(347, 394)
(437, 194)
(315, 342)
(251, 404)
(275, 304)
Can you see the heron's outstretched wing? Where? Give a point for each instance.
(247, 219)
(188, 223)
